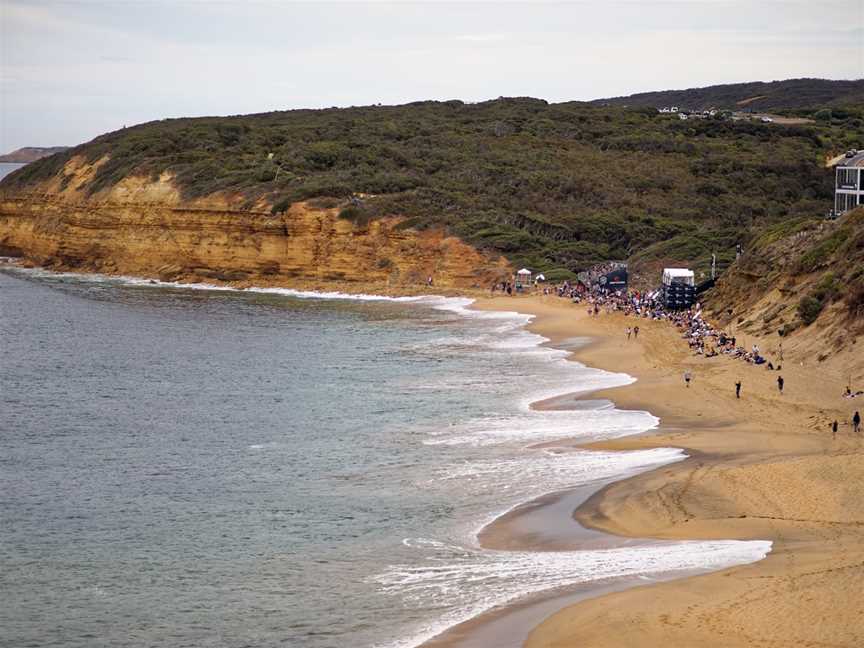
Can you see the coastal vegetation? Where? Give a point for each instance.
(779, 96)
(557, 187)
(797, 273)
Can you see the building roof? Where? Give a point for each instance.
(678, 272)
(678, 276)
(856, 160)
(524, 271)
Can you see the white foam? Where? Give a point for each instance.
(512, 481)
(433, 300)
(499, 577)
(532, 426)
(532, 473)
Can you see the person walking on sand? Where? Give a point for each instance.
(629, 331)
(856, 422)
(687, 377)
(834, 429)
(780, 382)
(635, 332)
(738, 389)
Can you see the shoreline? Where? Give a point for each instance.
(764, 467)
(761, 468)
(549, 522)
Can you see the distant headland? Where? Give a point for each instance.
(31, 153)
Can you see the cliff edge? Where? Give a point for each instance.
(141, 226)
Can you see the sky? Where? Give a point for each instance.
(70, 71)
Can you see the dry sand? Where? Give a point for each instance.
(762, 467)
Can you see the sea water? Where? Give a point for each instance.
(8, 167)
(189, 466)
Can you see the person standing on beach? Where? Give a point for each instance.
(738, 389)
(629, 331)
(834, 429)
(635, 332)
(687, 377)
(856, 422)
(780, 382)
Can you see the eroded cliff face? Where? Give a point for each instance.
(141, 227)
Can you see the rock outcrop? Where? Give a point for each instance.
(142, 227)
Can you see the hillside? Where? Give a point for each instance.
(801, 283)
(553, 186)
(31, 154)
(791, 94)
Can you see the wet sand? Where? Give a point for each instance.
(762, 467)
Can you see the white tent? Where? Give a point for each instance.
(540, 277)
(678, 276)
(523, 277)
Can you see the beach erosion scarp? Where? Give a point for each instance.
(764, 467)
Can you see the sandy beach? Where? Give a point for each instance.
(764, 467)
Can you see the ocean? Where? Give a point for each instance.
(191, 466)
(8, 167)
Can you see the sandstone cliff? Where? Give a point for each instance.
(142, 227)
(800, 285)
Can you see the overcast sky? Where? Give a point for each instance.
(72, 70)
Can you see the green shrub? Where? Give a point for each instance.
(322, 155)
(352, 213)
(281, 205)
(267, 174)
(809, 308)
(822, 253)
(788, 328)
(409, 223)
(827, 289)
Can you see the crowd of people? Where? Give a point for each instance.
(593, 274)
(703, 338)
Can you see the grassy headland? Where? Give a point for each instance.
(557, 187)
(790, 95)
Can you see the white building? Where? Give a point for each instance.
(683, 276)
(849, 182)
